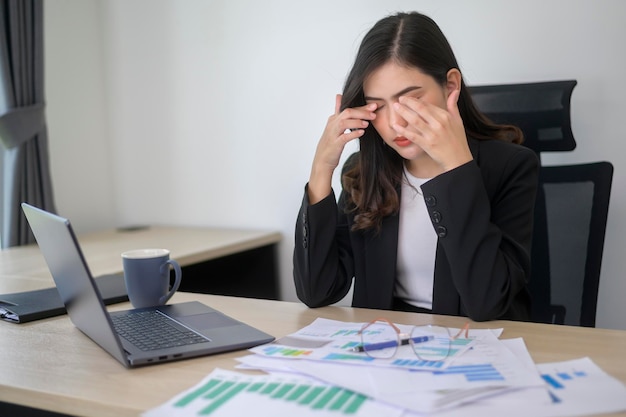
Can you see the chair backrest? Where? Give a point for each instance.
(541, 110)
(568, 242)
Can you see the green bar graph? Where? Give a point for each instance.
(322, 402)
(303, 398)
(219, 389)
(256, 386)
(460, 342)
(196, 394)
(354, 406)
(341, 400)
(311, 395)
(269, 388)
(223, 399)
(350, 332)
(297, 393)
(282, 391)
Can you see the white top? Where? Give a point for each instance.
(417, 245)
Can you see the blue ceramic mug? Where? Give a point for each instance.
(147, 276)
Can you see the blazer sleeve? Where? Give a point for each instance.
(322, 259)
(484, 221)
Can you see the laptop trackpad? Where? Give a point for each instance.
(207, 321)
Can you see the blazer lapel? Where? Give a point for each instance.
(380, 263)
(445, 298)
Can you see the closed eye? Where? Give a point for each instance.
(415, 96)
(379, 103)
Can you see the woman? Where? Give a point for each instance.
(437, 206)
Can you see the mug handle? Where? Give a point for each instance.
(178, 274)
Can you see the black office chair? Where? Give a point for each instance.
(572, 201)
(568, 242)
(541, 110)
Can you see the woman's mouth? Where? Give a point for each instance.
(402, 141)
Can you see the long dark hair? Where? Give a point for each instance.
(413, 40)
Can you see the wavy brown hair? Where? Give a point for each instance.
(414, 40)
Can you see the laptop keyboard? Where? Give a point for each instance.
(151, 330)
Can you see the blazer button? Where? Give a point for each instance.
(430, 201)
(441, 231)
(435, 216)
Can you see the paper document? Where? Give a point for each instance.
(425, 392)
(575, 388)
(332, 341)
(313, 373)
(226, 393)
(7, 315)
(484, 367)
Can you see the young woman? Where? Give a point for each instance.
(436, 209)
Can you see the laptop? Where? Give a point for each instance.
(179, 331)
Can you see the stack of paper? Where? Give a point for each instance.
(315, 372)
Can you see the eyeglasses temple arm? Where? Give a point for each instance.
(383, 320)
(464, 329)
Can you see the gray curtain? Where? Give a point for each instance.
(23, 133)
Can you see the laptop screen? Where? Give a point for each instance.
(72, 277)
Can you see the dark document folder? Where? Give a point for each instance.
(22, 307)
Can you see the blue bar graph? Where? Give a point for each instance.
(417, 363)
(483, 372)
(559, 379)
(553, 382)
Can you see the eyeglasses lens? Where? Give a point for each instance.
(436, 346)
(379, 340)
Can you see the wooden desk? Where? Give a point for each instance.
(51, 365)
(204, 253)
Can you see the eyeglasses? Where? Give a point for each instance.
(380, 339)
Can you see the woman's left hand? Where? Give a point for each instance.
(439, 132)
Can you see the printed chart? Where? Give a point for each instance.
(478, 372)
(226, 393)
(558, 380)
(333, 341)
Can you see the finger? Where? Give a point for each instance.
(369, 107)
(359, 113)
(350, 135)
(337, 103)
(353, 124)
(414, 109)
(452, 103)
(414, 118)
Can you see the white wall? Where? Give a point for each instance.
(208, 112)
(80, 152)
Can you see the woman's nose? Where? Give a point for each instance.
(394, 118)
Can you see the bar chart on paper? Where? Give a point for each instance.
(227, 393)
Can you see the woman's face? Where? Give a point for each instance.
(385, 86)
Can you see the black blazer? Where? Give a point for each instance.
(482, 212)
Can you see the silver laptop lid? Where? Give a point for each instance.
(73, 280)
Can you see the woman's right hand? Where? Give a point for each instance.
(341, 128)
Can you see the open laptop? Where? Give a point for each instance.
(204, 330)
